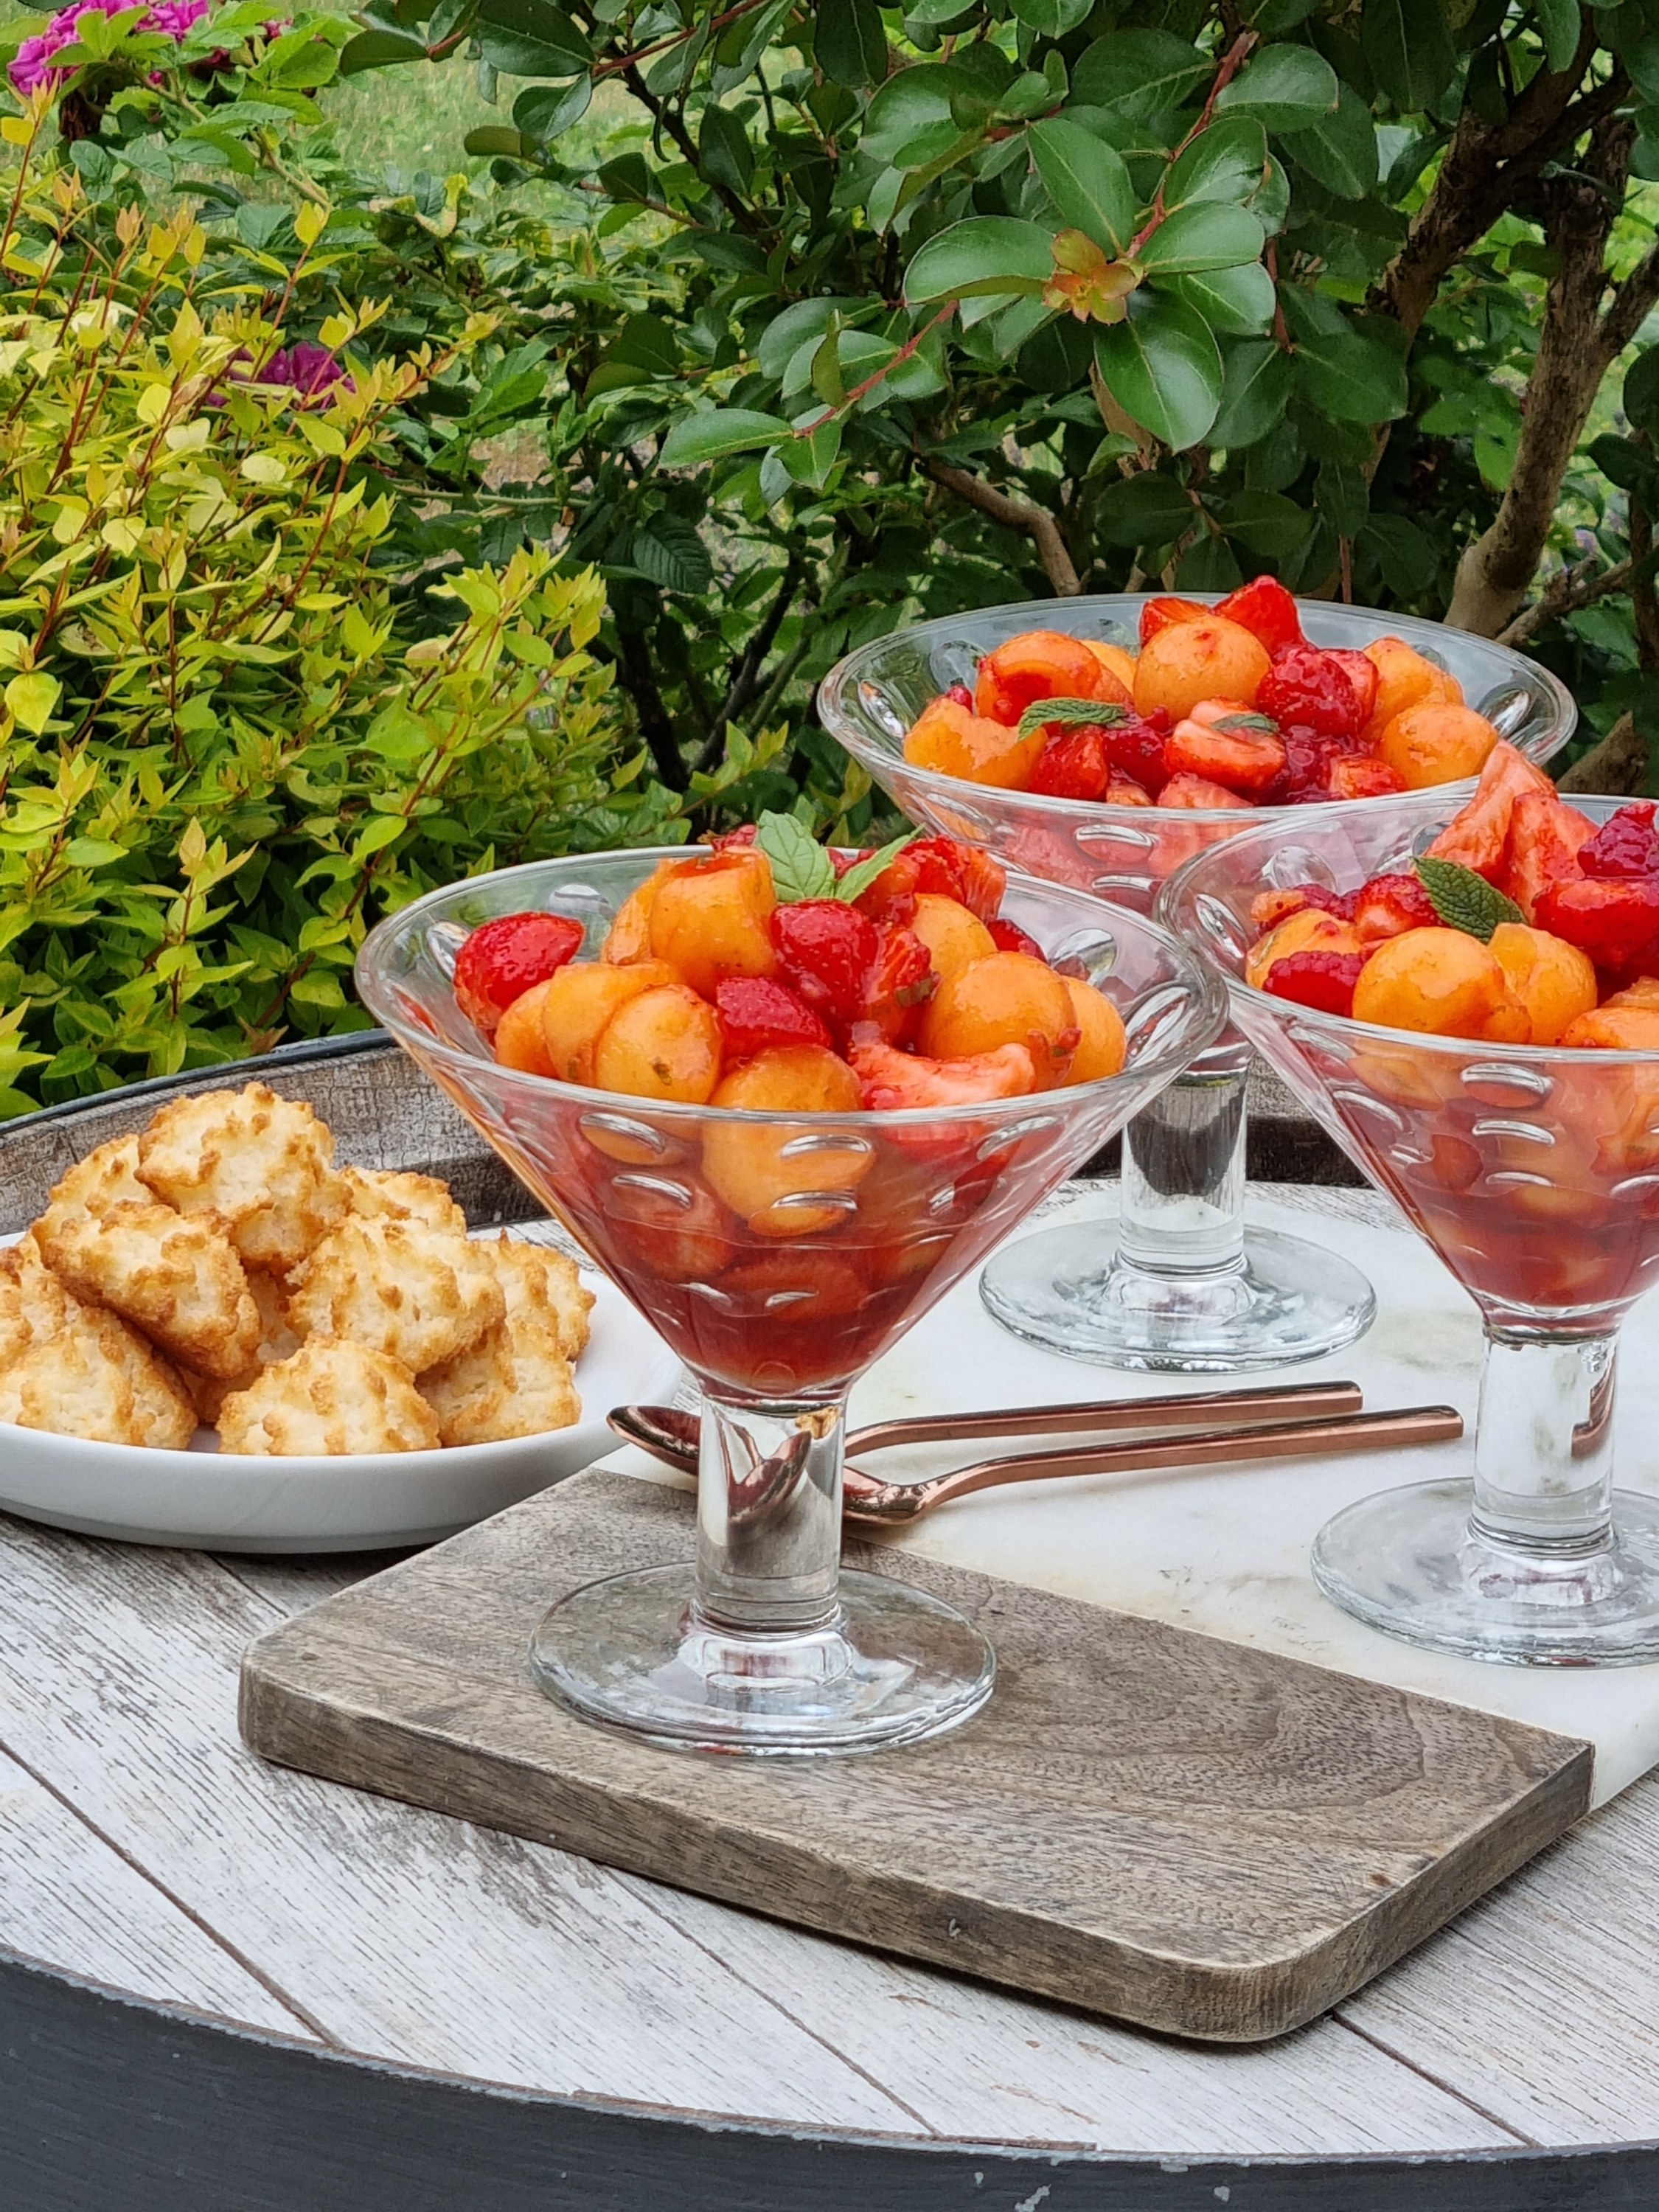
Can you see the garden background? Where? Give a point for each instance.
(467, 429)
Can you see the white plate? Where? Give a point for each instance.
(201, 1499)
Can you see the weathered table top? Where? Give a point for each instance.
(640, 2045)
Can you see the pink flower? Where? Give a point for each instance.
(308, 369)
(173, 19)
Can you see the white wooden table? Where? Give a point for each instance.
(197, 1951)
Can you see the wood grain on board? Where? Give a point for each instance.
(1160, 1826)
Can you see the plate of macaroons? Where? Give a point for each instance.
(214, 1335)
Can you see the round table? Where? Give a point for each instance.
(230, 1987)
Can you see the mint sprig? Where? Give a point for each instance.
(1463, 900)
(1253, 724)
(1071, 714)
(801, 869)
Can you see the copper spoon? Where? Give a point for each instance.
(870, 1503)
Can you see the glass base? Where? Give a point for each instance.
(892, 1665)
(1068, 1290)
(1407, 1562)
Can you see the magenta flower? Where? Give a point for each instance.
(173, 19)
(307, 368)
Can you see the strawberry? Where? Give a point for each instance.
(503, 958)
(1265, 609)
(892, 1080)
(1387, 906)
(1311, 689)
(1362, 674)
(1009, 937)
(733, 841)
(1625, 845)
(1137, 748)
(1199, 792)
(1547, 842)
(1615, 921)
(955, 870)
(1123, 791)
(756, 1013)
(1478, 838)
(1158, 614)
(1074, 764)
(826, 952)
(1308, 762)
(1269, 909)
(1352, 775)
(1242, 751)
(959, 695)
(899, 986)
(1323, 980)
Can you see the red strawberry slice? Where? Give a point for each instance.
(1011, 937)
(1265, 609)
(1323, 980)
(504, 958)
(756, 1013)
(1074, 763)
(826, 952)
(900, 984)
(1311, 690)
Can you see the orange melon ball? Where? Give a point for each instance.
(954, 936)
(1102, 1046)
(1118, 662)
(1187, 662)
(1405, 679)
(1009, 999)
(1615, 1029)
(580, 1004)
(519, 1042)
(665, 1043)
(1310, 929)
(1041, 664)
(1553, 980)
(951, 741)
(1435, 742)
(1441, 982)
(709, 919)
(629, 937)
(754, 1169)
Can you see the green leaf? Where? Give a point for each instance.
(1288, 87)
(1209, 235)
(1401, 551)
(532, 38)
(1071, 714)
(1340, 150)
(1409, 48)
(1256, 388)
(724, 150)
(715, 432)
(848, 42)
(1140, 74)
(801, 869)
(1236, 303)
(543, 112)
(1053, 19)
(1147, 508)
(862, 873)
(379, 50)
(1641, 393)
(1559, 22)
(496, 138)
(1355, 378)
(1161, 364)
(1087, 182)
(32, 699)
(1463, 900)
(1266, 523)
(669, 551)
(1208, 565)
(1225, 162)
(984, 254)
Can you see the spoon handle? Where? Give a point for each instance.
(1178, 1413)
(1303, 1439)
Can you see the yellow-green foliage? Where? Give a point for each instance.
(225, 746)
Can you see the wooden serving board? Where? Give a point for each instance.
(1199, 1837)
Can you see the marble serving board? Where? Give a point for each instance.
(1226, 1553)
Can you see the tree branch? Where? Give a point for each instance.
(1617, 765)
(665, 118)
(746, 678)
(641, 685)
(1566, 592)
(1037, 524)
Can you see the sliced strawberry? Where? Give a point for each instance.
(1352, 775)
(1388, 906)
(1136, 748)
(1478, 837)
(1625, 845)
(1009, 937)
(959, 695)
(1362, 674)
(1123, 791)
(1265, 609)
(893, 1080)
(1308, 758)
(1311, 690)
(826, 951)
(733, 841)
(1323, 980)
(504, 958)
(1242, 751)
(1269, 909)
(1158, 614)
(1547, 842)
(755, 1013)
(1199, 793)
(1074, 764)
(900, 984)
(1615, 922)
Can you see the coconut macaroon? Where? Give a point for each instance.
(395, 1194)
(92, 1376)
(277, 1340)
(107, 1177)
(417, 1294)
(176, 1279)
(34, 1303)
(330, 1398)
(263, 1165)
(516, 1381)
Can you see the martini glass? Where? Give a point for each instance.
(1534, 1172)
(1180, 1285)
(779, 1255)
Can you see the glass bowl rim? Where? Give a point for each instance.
(1344, 1027)
(850, 669)
(1208, 1008)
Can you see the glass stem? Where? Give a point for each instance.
(1543, 1446)
(768, 1513)
(1182, 1197)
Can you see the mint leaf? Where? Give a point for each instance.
(1263, 725)
(1463, 900)
(863, 873)
(801, 869)
(1072, 713)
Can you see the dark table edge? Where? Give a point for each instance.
(112, 2103)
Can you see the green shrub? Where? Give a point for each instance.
(227, 741)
